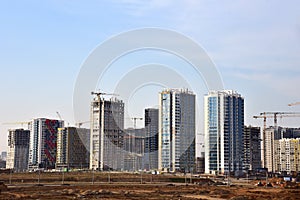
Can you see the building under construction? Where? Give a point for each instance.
(18, 150)
(271, 136)
(107, 124)
(252, 148)
(151, 139)
(134, 145)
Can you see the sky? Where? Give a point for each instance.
(254, 45)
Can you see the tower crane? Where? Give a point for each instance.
(134, 120)
(294, 104)
(22, 123)
(59, 116)
(275, 115)
(98, 94)
(79, 124)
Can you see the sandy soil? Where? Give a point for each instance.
(24, 186)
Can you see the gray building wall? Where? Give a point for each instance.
(18, 149)
(177, 130)
(73, 148)
(151, 139)
(107, 135)
(252, 148)
(134, 146)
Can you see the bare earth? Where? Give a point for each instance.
(131, 186)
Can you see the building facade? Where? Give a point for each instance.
(177, 130)
(107, 134)
(289, 155)
(18, 150)
(200, 164)
(151, 139)
(73, 147)
(271, 137)
(273, 151)
(223, 132)
(134, 146)
(2, 164)
(252, 148)
(3, 155)
(290, 132)
(42, 148)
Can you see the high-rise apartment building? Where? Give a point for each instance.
(289, 155)
(42, 148)
(107, 135)
(73, 147)
(272, 151)
(18, 150)
(252, 148)
(134, 145)
(223, 131)
(271, 137)
(177, 130)
(151, 139)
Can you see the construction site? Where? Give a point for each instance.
(109, 185)
(266, 177)
(279, 145)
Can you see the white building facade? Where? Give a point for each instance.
(223, 131)
(289, 155)
(107, 134)
(176, 149)
(270, 142)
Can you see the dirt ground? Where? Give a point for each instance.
(131, 186)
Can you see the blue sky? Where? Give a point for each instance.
(254, 44)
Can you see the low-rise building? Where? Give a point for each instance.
(200, 164)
